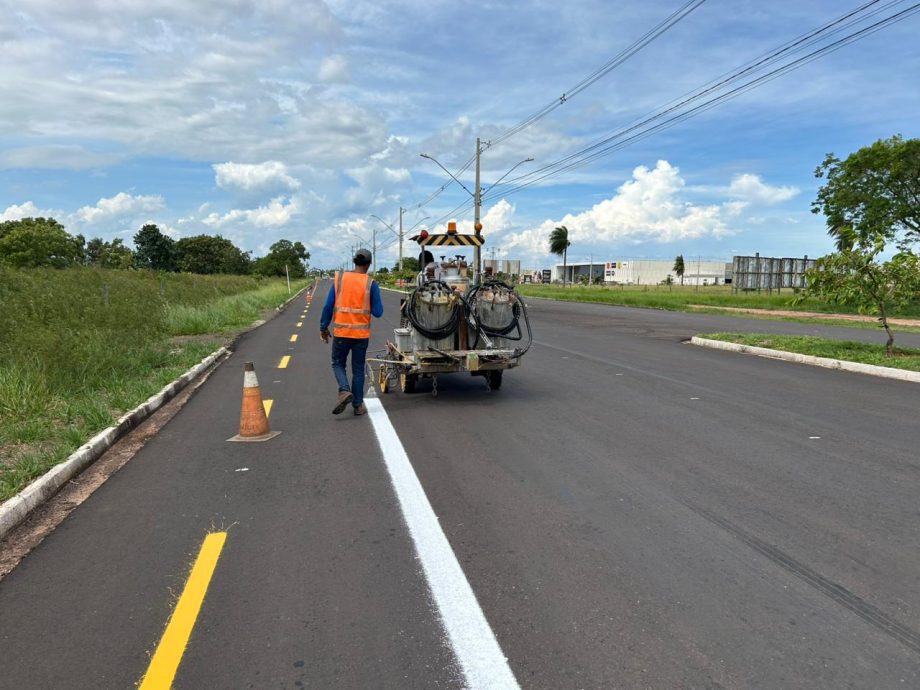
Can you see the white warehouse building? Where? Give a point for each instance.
(647, 271)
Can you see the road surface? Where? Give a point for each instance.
(628, 511)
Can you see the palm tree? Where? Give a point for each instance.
(559, 244)
(679, 267)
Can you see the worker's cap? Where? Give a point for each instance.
(362, 258)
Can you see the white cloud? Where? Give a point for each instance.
(24, 210)
(334, 70)
(250, 177)
(55, 156)
(278, 212)
(647, 208)
(118, 206)
(377, 184)
(751, 189)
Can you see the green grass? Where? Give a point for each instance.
(679, 298)
(80, 347)
(904, 358)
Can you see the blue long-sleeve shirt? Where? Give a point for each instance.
(376, 305)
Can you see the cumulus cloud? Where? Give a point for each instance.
(376, 184)
(24, 210)
(278, 212)
(751, 189)
(647, 208)
(119, 206)
(254, 177)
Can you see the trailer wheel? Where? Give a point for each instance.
(495, 379)
(383, 379)
(407, 382)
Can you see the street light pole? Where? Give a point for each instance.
(477, 204)
(401, 211)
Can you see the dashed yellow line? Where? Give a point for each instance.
(294, 338)
(299, 324)
(267, 404)
(284, 362)
(165, 661)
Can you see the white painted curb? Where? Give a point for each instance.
(17, 508)
(291, 298)
(826, 362)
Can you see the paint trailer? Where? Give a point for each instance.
(453, 322)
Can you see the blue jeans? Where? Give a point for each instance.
(340, 349)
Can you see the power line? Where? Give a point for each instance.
(599, 73)
(620, 139)
(603, 70)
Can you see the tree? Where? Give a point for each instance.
(34, 242)
(559, 244)
(104, 254)
(410, 265)
(856, 278)
(210, 254)
(679, 268)
(283, 253)
(874, 193)
(154, 250)
(669, 281)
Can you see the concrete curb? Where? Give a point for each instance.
(293, 297)
(397, 290)
(17, 508)
(827, 363)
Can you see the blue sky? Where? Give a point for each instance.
(300, 119)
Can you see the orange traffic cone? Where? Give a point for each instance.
(253, 420)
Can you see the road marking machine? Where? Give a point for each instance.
(455, 322)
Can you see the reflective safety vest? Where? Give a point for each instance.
(351, 317)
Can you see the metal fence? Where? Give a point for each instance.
(769, 273)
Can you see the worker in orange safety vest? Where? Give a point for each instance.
(351, 302)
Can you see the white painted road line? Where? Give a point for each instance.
(472, 640)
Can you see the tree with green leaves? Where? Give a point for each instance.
(559, 245)
(104, 254)
(211, 254)
(870, 200)
(34, 242)
(154, 250)
(679, 267)
(855, 277)
(874, 193)
(283, 253)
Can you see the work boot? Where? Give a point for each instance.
(344, 398)
(360, 410)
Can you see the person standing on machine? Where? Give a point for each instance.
(351, 302)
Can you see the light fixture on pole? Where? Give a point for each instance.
(477, 198)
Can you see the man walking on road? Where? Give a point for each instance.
(351, 302)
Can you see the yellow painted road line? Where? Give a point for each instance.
(284, 362)
(169, 652)
(267, 404)
(294, 338)
(299, 324)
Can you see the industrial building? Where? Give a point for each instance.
(646, 272)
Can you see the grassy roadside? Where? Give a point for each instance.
(904, 358)
(80, 347)
(677, 298)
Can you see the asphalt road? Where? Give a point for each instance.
(629, 510)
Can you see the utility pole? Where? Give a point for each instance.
(374, 255)
(477, 204)
(401, 211)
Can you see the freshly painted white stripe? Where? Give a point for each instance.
(473, 642)
(250, 380)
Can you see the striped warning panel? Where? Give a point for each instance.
(452, 241)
